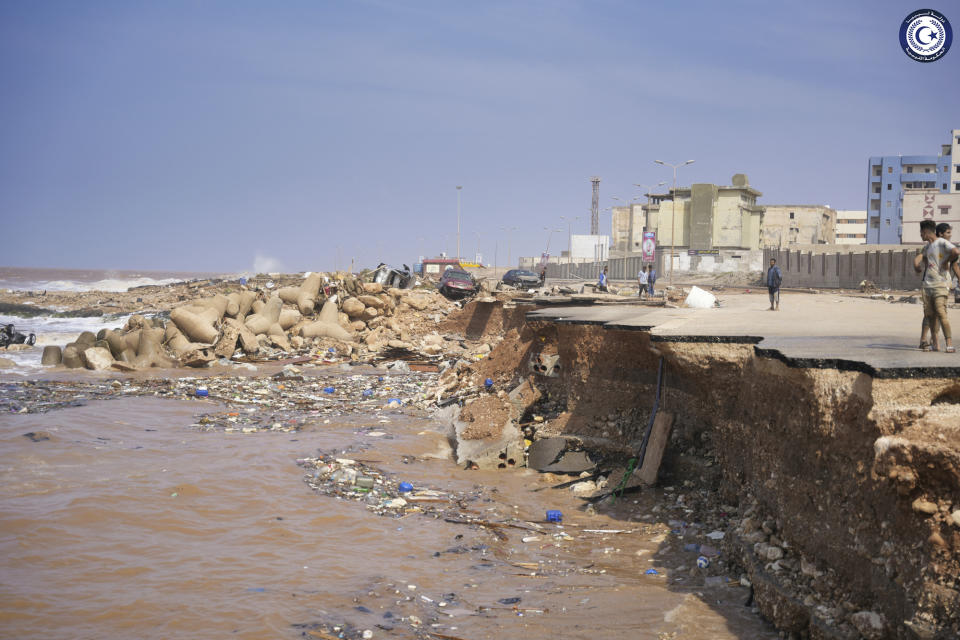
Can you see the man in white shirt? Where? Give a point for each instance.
(935, 261)
(642, 281)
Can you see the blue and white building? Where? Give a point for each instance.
(890, 175)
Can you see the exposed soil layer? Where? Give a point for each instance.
(848, 487)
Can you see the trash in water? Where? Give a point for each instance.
(554, 516)
(202, 392)
(652, 572)
(703, 562)
(404, 487)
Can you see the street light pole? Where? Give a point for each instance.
(459, 188)
(569, 241)
(507, 230)
(673, 222)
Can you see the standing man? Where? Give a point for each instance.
(938, 256)
(651, 278)
(602, 284)
(945, 231)
(642, 282)
(774, 278)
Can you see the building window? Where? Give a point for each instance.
(909, 169)
(927, 170)
(889, 169)
(791, 215)
(889, 186)
(944, 211)
(876, 170)
(944, 186)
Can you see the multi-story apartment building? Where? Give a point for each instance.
(851, 226)
(889, 175)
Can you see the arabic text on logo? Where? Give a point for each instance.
(926, 35)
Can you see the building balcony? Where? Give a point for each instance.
(919, 177)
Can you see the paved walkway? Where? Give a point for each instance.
(810, 330)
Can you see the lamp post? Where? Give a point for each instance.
(459, 188)
(569, 240)
(673, 231)
(507, 230)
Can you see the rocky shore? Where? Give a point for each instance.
(837, 504)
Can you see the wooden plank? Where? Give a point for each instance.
(659, 437)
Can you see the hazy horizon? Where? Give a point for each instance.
(295, 136)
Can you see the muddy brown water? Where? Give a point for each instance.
(130, 523)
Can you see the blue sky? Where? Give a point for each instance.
(203, 135)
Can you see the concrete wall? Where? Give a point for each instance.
(627, 268)
(886, 268)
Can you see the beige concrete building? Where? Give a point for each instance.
(932, 204)
(628, 223)
(708, 216)
(788, 224)
(851, 226)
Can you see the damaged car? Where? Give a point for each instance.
(521, 279)
(457, 283)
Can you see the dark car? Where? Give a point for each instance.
(455, 283)
(521, 279)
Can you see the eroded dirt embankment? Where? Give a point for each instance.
(848, 488)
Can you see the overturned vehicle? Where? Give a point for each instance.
(9, 335)
(392, 277)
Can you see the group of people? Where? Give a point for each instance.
(646, 279)
(938, 263)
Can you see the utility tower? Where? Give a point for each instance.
(595, 207)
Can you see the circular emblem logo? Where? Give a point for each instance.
(926, 35)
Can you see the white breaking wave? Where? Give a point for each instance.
(108, 285)
(58, 331)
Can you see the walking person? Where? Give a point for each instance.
(602, 284)
(935, 262)
(642, 282)
(651, 279)
(774, 278)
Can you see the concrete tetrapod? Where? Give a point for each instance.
(198, 327)
(52, 355)
(288, 318)
(307, 298)
(71, 356)
(261, 322)
(149, 353)
(327, 326)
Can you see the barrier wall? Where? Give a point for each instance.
(846, 269)
(886, 268)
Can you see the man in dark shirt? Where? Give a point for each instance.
(774, 278)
